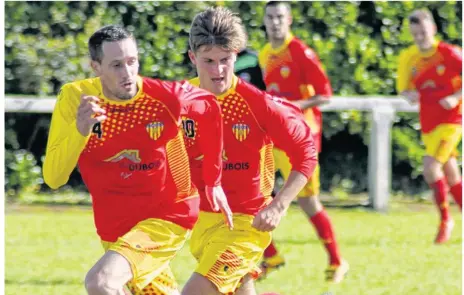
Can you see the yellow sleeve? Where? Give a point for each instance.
(262, 56)
(65, 143)
(403, 79)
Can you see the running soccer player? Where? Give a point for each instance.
(253, 122)
(430, 72)
(293, 70)
(124, 132)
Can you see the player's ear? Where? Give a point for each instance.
(192, 57)
(96, 67)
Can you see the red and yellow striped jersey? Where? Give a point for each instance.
(435, 75)
(253, 121)
(294, 71)
(133, 163)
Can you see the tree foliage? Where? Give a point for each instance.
(358, 43)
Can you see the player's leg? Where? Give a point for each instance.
(149, 247)
(164, 284)
(224, 257)
(440, 144)
(308, 199)
(454, 179)
(247, 286)
(199, 285)
(109, 275)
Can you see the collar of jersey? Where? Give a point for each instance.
(429, 52)
(137, 96)
(283, 46)
(196, 82)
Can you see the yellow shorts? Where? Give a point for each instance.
(441, 143)
(282, 163)
(149, 247)
(224, 256)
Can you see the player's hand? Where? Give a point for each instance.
(412, 96)
(269, 218)
(87, 114)
(449, 102)
(218, 201)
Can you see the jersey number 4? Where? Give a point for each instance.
(97, 129)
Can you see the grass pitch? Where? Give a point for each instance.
(49, 250)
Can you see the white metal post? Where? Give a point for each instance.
(379, 161)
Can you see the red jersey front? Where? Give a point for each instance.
(435, 75)
(134, 163)
(252, 121)
(294, 71)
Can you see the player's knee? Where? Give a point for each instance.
(198, 285)
(432, 169)
(310, 205)
(98, 282)
(452, 172)
(247, 286)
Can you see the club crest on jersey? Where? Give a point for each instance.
(440, 70)
(240, 131)
(155, 129)
(285, 71)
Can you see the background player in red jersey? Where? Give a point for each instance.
(252, 122)
(124, 132)
(293, 70)
(430, 72)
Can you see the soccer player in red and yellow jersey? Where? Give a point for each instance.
(124, 132)
(430, 72)
(293, 70)
(253, 122)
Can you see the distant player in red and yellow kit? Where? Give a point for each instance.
(124, 132)
(293, 70)
(253, 121)
(430, 72)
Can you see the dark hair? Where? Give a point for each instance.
(109, 33)
(419, 15)
(217, 26)
(276, 3)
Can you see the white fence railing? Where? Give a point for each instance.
(379, 161)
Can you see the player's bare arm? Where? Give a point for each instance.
(218, 202)
(451, 101)
(412, 96)
(269, 218)
(312, 102)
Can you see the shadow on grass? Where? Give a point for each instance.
(42, 282)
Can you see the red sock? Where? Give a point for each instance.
(324, 229)
(456, 191)
(440, 192)
(270, 250)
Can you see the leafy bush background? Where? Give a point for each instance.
(358, 42)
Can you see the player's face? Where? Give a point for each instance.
(423, 34)
(277, 21)
(118, 69)
(215, 68)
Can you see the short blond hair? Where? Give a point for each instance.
(420, 15)
(217, 26)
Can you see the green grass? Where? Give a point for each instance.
(48, 251)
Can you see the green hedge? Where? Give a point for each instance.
(358, 42)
